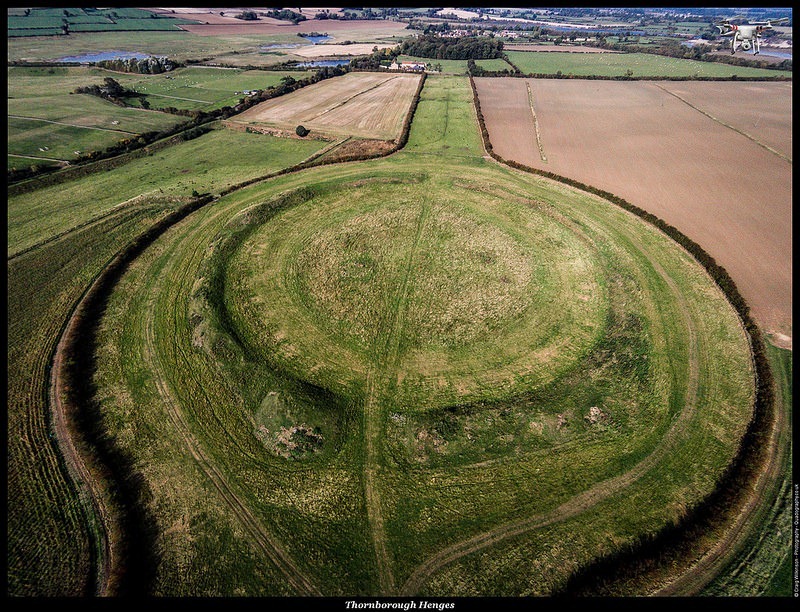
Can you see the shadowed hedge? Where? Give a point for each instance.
(132, 525)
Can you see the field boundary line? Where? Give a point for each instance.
(535, 123)
(727, 125)
(85, 127)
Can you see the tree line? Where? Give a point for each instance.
(147, 65)
(465, 47)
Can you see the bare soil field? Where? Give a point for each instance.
(559, 48)
(758, 109)
(690, 153)
(371, 29)
(369, 105)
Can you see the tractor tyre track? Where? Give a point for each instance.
(698, 575)
(389, 352)
(599, 492)
(265, 542)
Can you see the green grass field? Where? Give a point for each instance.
(299, 339)
(232, 48)
(43, 113)
(49, 545)
(207, 88)
(617, 64)
(424, 374)
(203, 164)
(48, 21)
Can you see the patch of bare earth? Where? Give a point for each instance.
(700, 160)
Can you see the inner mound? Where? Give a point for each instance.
(447, 291)
(425, 272)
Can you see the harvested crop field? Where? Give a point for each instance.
(692, 153)
(369, 105)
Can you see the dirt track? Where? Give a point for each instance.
(712, 159)
(260, 536)
(592, 496)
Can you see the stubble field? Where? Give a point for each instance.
(369, 105)
(690, 153)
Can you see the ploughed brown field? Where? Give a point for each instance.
(365, 104)
(712, 159)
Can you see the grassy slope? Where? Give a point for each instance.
(299, 503)
(202, 164)
(764, 566)
(48, 542)
(49, 547)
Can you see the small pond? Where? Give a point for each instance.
(315, 40)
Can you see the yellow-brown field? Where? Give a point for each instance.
(712, 159)
(367, 105)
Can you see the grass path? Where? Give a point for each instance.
(384, 370)
(260, 536)
(692, 581)
(599, 492)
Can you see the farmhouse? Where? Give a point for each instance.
(408, 66)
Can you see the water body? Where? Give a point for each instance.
(776, 53)
(321, 63)
(315, 40)
(99, 56)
